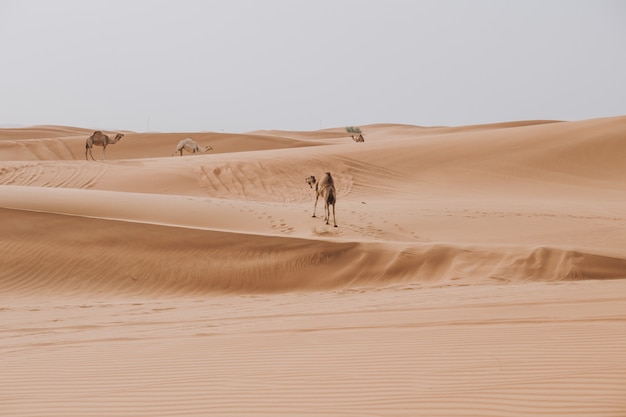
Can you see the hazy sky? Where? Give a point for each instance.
(242, 65)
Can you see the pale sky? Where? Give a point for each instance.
(243, 65)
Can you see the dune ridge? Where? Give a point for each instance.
(147, 259)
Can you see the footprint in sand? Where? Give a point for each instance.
(282, 226)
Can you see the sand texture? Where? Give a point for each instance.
(475, 271)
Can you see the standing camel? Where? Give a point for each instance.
(190, 145)
(100, 139)
(325, 188)
(359, 138)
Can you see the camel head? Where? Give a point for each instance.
(119, 136)
(310, 180)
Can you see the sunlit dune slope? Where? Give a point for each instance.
(539, 159)
(495, 203)
(55, 254)
(52, 144)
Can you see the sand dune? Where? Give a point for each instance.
(159, 261)
(476, 270)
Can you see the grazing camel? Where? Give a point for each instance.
(100, 139)
(325, 188)
(190, 145)
(359, 138)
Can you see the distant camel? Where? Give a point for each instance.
(100, 139)
(359, 138)
(325, 188)
(190, 145)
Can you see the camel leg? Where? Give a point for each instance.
(326, 212)
(315, 206)
(87, 150)
(90, 154)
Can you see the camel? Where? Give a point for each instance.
(325, 188)
(191, 146)
(100, 139)
(354, 131)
